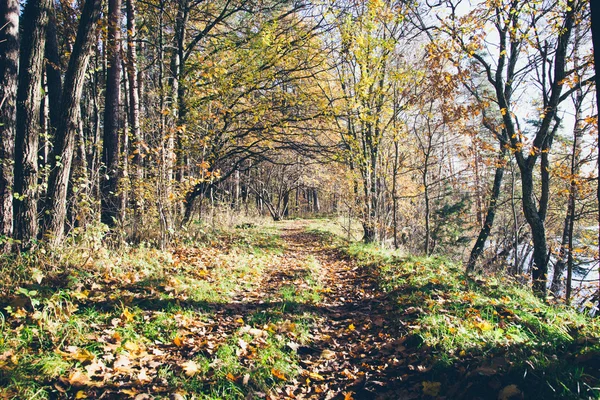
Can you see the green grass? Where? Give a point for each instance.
(64, 310)
(473, 320)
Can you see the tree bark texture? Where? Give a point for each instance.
(67, 129)
(110, 147)
(29, 95)
(9, 66)
(53, 72)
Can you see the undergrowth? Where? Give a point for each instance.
(85, 320)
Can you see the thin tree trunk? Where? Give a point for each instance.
(65, 135)
(595, 16)
(491, 212)
(538, 232)
(53, 73)
(134, 112)
(9, 66)
(35, 21)
(394, 191)
(123, 165)
(564, 254)
(110, 147)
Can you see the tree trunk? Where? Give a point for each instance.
(538, 234)
(9, 66)
(286, 204)
(564, 254)
(491, 213)
(110, 147)
(35, 21)
(134, 112)
(67, 129)
(178, 70)
(595, 16)
(369, 232)
(395, 191)
(53, 73)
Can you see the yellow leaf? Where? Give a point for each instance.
(503, 111)
(278, 374)
(127, 315)
(348, 396)
(484, 326)
(431, 388)
(351, 327)
(178, 341)
(315, 377)
(81, 395)
(131, 346)
(83, 355)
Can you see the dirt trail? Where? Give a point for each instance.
(359, 348)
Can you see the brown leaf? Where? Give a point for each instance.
(510, 392)
(431, 388)
(78, 378)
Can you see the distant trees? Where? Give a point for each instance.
(534, 49)
(368, 61)
(404, 122)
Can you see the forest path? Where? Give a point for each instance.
(358, 348)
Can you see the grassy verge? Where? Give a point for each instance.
(491, 330)
(83, 321)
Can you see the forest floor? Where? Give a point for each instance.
(286, 311)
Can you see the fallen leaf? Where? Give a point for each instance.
(328, 354)
(143, 376)
(351, 327)
(278, 374)
(81, 395)
(131, 346)
(315, 377)
(231, 377)
(431, 388)
(510, 392)
(190, 368)
(127, 315)
(78, 378)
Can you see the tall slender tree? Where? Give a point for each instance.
(29, 94)
(9, 56)
(110, 146)
(134, 107)
(69, 122)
